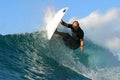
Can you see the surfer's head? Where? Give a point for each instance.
(75, 24)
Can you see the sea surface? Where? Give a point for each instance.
(30, 56)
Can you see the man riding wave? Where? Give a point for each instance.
(77, 38)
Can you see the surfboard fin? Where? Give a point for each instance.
(64, 10)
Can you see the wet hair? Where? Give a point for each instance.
(76, 22)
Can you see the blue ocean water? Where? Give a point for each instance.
(30, 56)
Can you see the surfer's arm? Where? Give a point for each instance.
(65, 24)
(81, 44)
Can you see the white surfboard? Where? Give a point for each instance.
(51, 27)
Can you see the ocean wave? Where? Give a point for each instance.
(31, 56)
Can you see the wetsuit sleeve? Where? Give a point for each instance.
(65, 24)
(81, 34)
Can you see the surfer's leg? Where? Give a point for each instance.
(71, 43)
(62, 34)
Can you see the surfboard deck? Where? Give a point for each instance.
(51, 27)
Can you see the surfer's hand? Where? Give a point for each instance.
(82, 49)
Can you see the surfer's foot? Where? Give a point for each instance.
(56, 31)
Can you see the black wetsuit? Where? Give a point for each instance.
(73, 41)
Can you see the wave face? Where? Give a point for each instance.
(31, 56)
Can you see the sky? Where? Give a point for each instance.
(19, 16)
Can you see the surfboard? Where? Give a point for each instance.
(51, 27)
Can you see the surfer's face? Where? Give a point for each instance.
(75, 24)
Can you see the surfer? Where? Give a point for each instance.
(77, 38)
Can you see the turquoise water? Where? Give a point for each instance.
(31, 56)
